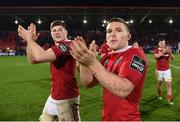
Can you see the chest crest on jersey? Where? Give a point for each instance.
(63, 48)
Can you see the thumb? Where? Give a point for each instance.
(93, 46)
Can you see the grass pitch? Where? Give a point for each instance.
(24, 89)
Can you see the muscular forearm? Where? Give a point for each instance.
(172, 57)
(86, 77)
(34, 51)
(158, 55)
(114, 83)
(29, 56)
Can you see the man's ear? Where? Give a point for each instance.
(129, 36)
(66, 33)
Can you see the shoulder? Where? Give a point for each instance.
(135, 54)
(61, 48)
(133, 51)
(156, 50)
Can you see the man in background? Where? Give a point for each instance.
(163, 54)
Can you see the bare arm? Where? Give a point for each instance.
(172, 57)
(117, 85)
(86, 77)
(114, 83)
(158, 55)
(169, 50)
(35, 53)
(29, 56)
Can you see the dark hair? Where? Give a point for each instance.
(161, 39)
(58, 23)
(117, 19)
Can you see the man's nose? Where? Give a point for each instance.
(113, 33)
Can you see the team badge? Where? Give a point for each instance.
(63, 48)
(138, 64)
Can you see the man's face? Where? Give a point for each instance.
(162, 44)
(58, 33)
(117, 35)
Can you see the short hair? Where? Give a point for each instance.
(117, 19)
(58, 23)
(161, 39)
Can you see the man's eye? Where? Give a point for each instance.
(118, 30)
(109, 31)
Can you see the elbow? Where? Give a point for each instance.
(84, 84)
(126, 92)
(122, 95)
(87, 84)
(31, 62)
(35, 60)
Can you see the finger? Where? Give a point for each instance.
(76, 46)
(74, 53)
(93, 46)
(20, 28)
(82, 46)
(34, 29)
(28, 28)
(82, 40)
(37, 36)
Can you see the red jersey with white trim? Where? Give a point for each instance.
(105, 49)
(63, 80)
(132, 65)
(162, 63)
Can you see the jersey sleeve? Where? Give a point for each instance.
(61, 50)
(155, 51)
(133, 68)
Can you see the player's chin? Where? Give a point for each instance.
(58, 40)
(114, 48)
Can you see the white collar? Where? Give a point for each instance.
(122, 49)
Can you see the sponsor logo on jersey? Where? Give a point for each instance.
(138, 64)
(63, 48)
(118, 60)
(105, 62)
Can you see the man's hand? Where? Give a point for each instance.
(81, 53)
(29, 34)
(168, 49)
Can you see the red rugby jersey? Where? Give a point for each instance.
(63, 80)
(162, 63)
(132, 65)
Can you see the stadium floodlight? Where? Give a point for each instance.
(150, 21)
(39, 21)
(16, 21)
(170, 21)
(131, 21)
(84, 21)
(104, 21)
